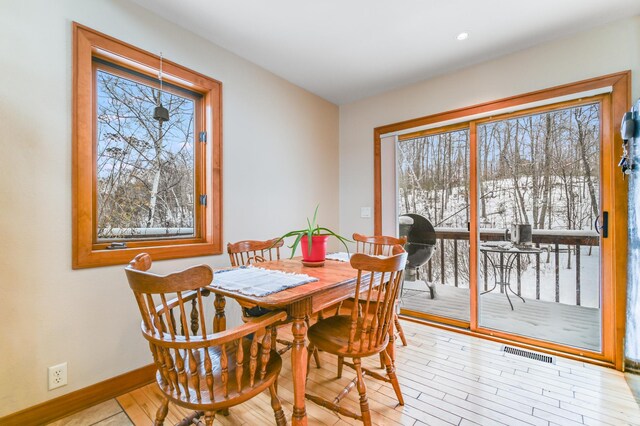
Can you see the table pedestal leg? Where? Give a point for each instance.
(220, 320)
(299, 362)
(220, 324)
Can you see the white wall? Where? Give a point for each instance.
(88, 318)
(604, 50)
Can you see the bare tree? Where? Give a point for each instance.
(144, 167)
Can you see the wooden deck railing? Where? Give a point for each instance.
(553, 241)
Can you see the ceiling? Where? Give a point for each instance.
(346, 50)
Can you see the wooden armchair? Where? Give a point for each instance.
(364, 332)
(200, 369)
(253, 252)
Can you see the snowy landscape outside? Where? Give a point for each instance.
(540, 169)
(145, 167)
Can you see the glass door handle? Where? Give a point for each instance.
(605, 225)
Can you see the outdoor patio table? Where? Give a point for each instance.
(504, 264)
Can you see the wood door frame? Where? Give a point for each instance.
(613, 197)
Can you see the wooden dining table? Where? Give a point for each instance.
(336, 282)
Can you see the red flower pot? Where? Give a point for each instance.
(318, 248)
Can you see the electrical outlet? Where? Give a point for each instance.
(57, 376)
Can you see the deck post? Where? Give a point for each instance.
(578, 274)
(557, 268)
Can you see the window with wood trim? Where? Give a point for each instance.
(141, 184)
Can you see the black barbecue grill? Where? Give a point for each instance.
(421, 243)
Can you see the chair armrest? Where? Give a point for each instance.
(266, 320)
(251, 326)
(221, 337)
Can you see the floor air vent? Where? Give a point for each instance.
(528, 354)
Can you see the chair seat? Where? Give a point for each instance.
(332, 336)
(235, 396)
(362, 300)
(363, 297)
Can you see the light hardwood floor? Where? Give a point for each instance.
(447, 379)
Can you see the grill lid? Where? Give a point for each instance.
(417, 229)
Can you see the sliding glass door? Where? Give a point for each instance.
(538, 200)
(529, 214)
(433, 181)
(535, 268)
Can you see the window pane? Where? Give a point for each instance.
(145, 168)
(541, 169)
(433, 178)
(541, 173)
(433, 181)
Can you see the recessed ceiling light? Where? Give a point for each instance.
(462, 36)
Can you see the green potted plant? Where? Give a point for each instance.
(313, 240)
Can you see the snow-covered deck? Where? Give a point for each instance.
(571, 325)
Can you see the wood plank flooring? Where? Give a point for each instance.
(447, 379)
(108, 413)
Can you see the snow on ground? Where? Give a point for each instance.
(500, 209)
(500, 204)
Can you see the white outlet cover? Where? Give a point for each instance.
(57, 375)
(365, 212)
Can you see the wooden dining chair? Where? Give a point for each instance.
(249, 252)
(377, 245)
(363, 332)
(381, 245)
(197, 368)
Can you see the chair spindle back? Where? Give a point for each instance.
(378, 284)
(378, 245)
(249, 251)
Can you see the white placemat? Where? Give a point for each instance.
(339, 256)
(254, 281)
